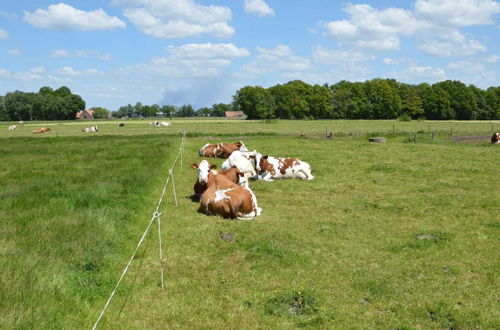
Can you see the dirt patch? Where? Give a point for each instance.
(228, 237)
(470, 138)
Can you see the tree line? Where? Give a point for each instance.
(47, 104)
(372, 99)
(187, 110)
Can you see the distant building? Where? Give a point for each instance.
(235, 114)
(85, 114)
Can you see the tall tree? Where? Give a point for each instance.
(256, 102)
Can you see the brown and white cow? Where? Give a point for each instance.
(41, 130)
(227, 199)
(495, 138)
(270, 168)
(221, 150)
(12, 127)
(21, 123)
(204, 168)
(90, 129)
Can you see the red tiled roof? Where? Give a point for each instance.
(234, 113)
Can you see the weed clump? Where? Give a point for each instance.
(292, 304)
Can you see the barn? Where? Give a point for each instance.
(85, 114)
(235, 114)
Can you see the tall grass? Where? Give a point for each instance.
(69, 209)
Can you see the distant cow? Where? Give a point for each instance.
(221, 150)
(160, 123)
(121, 125)
(21, 123)
(241, 162)
(270, 168)
(90, 129)
(204, 168)
(495, 138)
(227, 199)
(12, 127)
(41, 130)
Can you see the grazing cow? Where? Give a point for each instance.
(90, 129)
(221, 150)
(121, 125)
(21, 123)
(495, 138)
(227, 199)
(12, 127)
(204, 168)
(242, 163)
(41, 130)
(270, 168)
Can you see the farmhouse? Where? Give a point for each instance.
(235, 114)
(85, 114)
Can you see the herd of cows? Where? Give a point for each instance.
(91, 129)
(226, 192)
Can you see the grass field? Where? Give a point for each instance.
(396, 235)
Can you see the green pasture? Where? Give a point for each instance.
(398, 235)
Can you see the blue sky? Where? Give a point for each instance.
(115, 52)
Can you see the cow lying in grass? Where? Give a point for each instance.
(204, 168)
(222, 196)
(242, 162)
(90, 129)
(41, 130)
(12, 127)
(221, 150)
(495, 138)
(269, 168)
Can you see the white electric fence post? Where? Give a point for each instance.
(161, 252)
(173, 186)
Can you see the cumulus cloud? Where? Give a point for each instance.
(258, 7)
(466, 66)
(69, 71)
(370, 28)
(280, 58)
(208, 50)
(323, 55)
(3, 34)
(189, 61)
(457, 12)
(416, 74)
(492, 59)
(434, 23)
(449, 48)
(178, 18)
(62, 53)
(14, 52)
(65, 17)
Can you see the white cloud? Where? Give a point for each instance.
(65, 17)
(178, 18)
(323, 55)
(258, 7)
(69, 71)
(38, 70)
(390, 61)
(416, 74)
(466, 66)
(370, 28)
(435, 24)
(492, 59)
(3, 34)
(457, 12)
(19, 76)
(62, 53)
(208, 50)
(447, 48)
(279, 59)
(14, 52)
